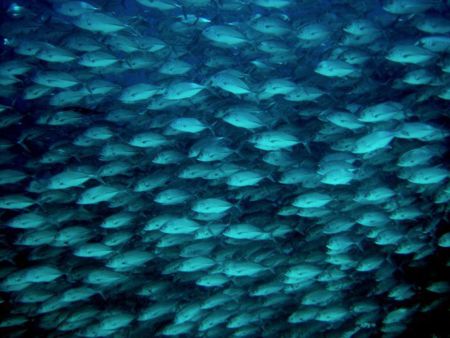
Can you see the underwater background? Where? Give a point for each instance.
(224, 168)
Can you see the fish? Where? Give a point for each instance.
(138, 92)
(418, 156)
(230, 81)
(11, 176)
(75, 8)
(382, 112)
(336, 68)
(188, 125)
(55, 79)
(99, 22)
(312, 200)
(224, 34)
(211, 206)
(409, 54)
(172, 197)
(98, 194)
(245, 231)
(92, 250)
(313, 32)
(97, 59)
(405, 7)
(15, 201)
(175, 67)
(274, 140)
(226, 168)
(374, 141)
(183, 90)
(239, 268)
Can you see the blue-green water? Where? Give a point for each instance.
(224, 168)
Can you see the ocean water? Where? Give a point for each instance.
(224, 168)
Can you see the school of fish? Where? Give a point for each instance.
(224, 168)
